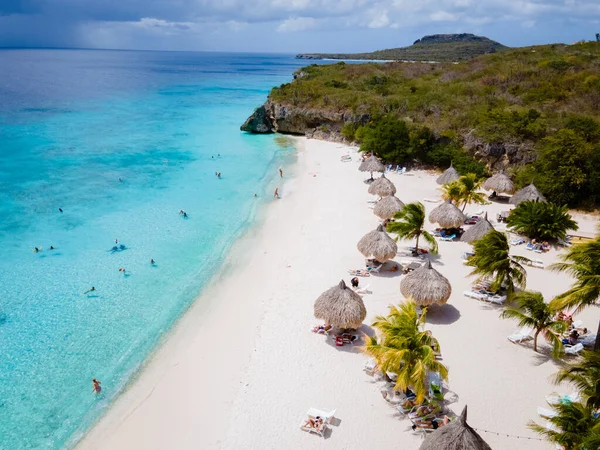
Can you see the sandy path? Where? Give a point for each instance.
(241, 372)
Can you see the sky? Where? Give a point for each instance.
(288, 26)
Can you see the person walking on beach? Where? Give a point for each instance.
(280, 172)
(276, 194)
(97, 388)
(92, 289)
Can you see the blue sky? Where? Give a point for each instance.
(288, 25)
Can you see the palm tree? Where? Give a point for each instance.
(582, 261)
(404, 349)
(534, 312)
(575, 427)
(469, 185)
(492, 259)
(452, 191)
(585, 375)
(411, 225)
(541, 220)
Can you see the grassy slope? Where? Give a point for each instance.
(458, 50)
(455, 98)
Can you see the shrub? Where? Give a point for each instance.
(389, 139)
(541, 220)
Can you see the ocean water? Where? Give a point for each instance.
(120, 141)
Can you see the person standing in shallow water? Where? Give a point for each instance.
(281, 173)
(276, 194)
(97, 388)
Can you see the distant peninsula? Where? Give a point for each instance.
(432, 48)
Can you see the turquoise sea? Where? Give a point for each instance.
(120, 142)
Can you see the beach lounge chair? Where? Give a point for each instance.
(448, 238)
(345, 338)
(359, 272)
(431, 200)
(497, 299)
(529, 246)
(401, 170)
(588, 340)
(547, 413)
(424, 412)
(574, 349)
(346, 158)
(563, 243)
(370, 366)
(476, 295)
(517, 241)
(312, 414)
(520, 335)
(566, 398)
(435, 386)
(374, 269)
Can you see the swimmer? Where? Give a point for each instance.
(219, 175)
(60, 209)
(255, 195)
(97, 388)
(122, 269)
(152, 261)
(35, 249)
(116, 241)
(185, 216)
(120, 179)
(219, 155)
(92, 289)
(281, 173)
(276, 194)
(51, 247)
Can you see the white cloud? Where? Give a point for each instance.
(443, 16)
(379, 19)
(296, 24)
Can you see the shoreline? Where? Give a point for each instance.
(242, 370)
(199, 313)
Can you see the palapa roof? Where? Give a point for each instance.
(387, 207)
(499, 182)
(382, 187)
(449, 175)
(341, 307)
(457, 435)
(529, 192)
(378, 244)
(477, 231)
(426, 286)
(447, 215)
(371, 164)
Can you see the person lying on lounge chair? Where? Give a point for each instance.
(316, 423)
(321, 329)
(431, 424)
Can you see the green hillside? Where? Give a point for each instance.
(535, 110)
(437, 47)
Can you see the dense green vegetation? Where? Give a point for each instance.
(541, 220)
(537, 108)
(441, 47)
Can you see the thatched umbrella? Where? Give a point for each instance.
(457, 435)
(341, 307)
(378, 244)
(426, 286)
(449, 175)
(499, 183)
(527, 193)
(371, 164)
(447, 215)
(382, 187)
(477, 231)
(387, 207)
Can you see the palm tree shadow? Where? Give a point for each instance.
(442, 315)
(392, 269)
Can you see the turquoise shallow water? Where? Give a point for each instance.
(72, 123)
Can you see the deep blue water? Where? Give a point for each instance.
(120, 141)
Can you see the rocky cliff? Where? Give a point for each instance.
(274, 117)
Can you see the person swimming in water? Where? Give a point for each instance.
(122, 269)
(51, 247)
(185, 216)
(219, 175)
(152, 262)
(116, 241)
(60, 209)
(92, 289)
(97, 388)
(35, 249)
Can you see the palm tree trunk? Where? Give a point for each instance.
(464, 206)
(417, 243)
(535, 336)
(597, 343)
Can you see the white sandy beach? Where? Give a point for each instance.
(242, 367)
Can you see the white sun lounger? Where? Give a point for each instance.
(556, 399)
(497, 299)
(574, 350)
(370, 366)
(520, 335)
(475, 295)
(547, 413)
(313, 413)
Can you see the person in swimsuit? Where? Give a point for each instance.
(97, 388)
(276, 194)
(281, 173)
(92, 289)
(152, 261)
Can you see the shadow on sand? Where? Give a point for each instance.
(442, 315)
